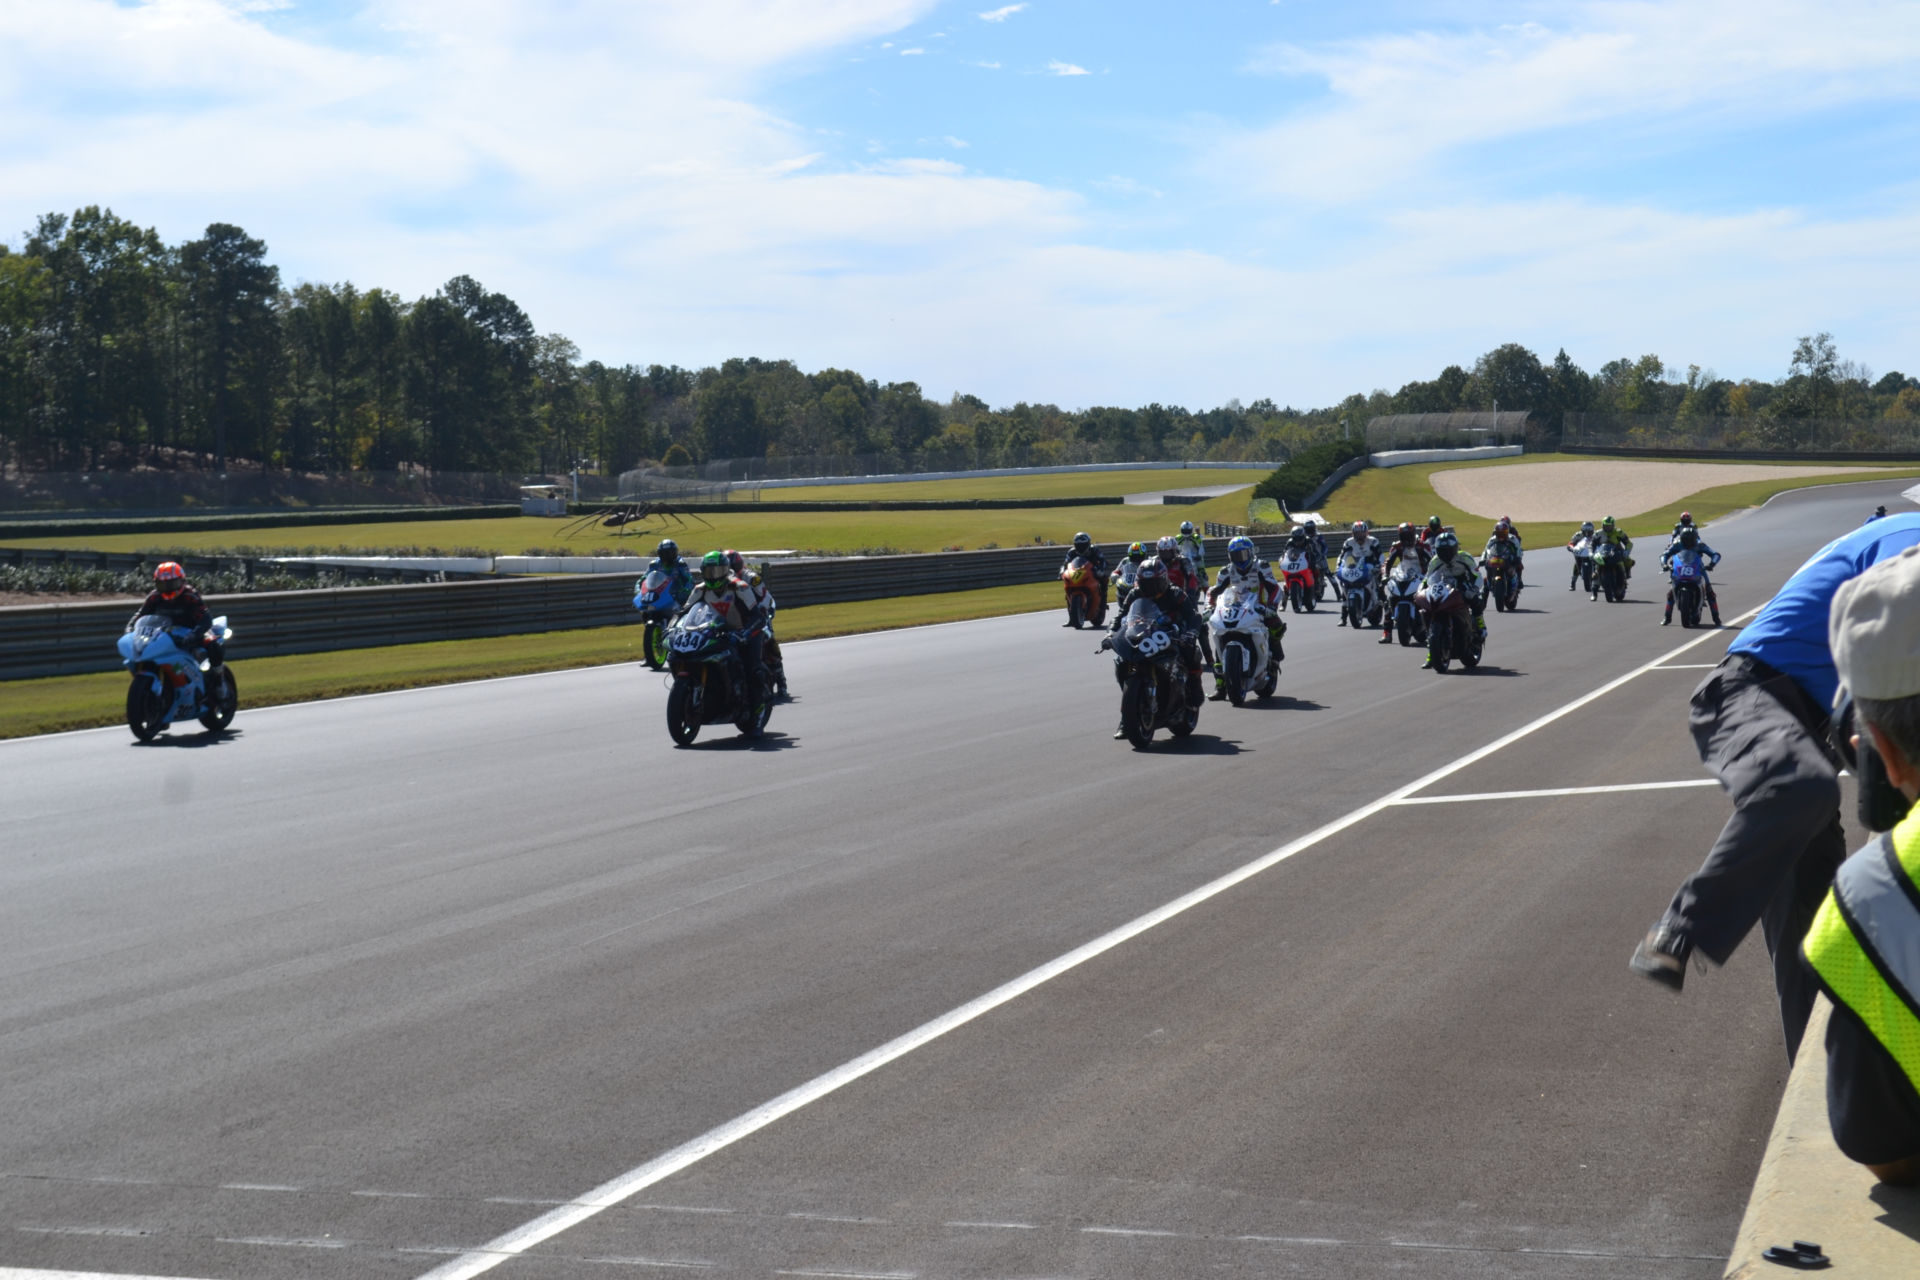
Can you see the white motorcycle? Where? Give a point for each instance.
(1403, 586)
(1239, 626)
(1360, 598)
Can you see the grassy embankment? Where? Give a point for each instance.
(1386, 496)
(79, 702)
(844, 531)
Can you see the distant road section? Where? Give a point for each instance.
(1586, 490)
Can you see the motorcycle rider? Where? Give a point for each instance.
(1251, 576)
(666, 559)
(1689, 541)
(1317, 553)
(1448, 559)
(1505, 526)
(1407, 547)
(1194, 548)
(1184, 577)
(1685, 522)
(1506, 545)
(739, 607)
(1124, 575)
(1432, 532)
(1613, 533)
(1365, 550)
(776, 663)
(1154, 583)
(1096, 560)
(1584, 534)
(172, 599)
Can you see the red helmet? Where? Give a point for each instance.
(1686, 517)
(735, 561)
(169, 579)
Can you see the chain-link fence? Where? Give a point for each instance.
(178, 492)
(1446, 430)
(1762, 436)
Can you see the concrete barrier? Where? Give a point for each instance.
(813, 481)
(1407, 457)
(1807, 1190)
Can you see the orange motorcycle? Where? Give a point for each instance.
(1083, 594)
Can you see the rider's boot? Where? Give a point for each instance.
(1713, 603)
(1667, 621)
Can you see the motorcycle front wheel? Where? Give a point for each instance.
(1234, 674)
(1136, 711)
(221, 702)
(682, 722)
(146, 713)
(653, 646)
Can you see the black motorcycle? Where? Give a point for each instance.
(1452, 632)
(710, 678)
(1157, 690)
(1609, 572)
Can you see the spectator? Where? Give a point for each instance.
(1864, 945)
(1759, 720)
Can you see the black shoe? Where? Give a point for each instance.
(1717, 622)
(1662, 955)
(1386, 637)
(1119, 735)
(1667, 621)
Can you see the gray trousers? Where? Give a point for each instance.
(1761, 735)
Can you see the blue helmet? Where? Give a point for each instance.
(1240, 551)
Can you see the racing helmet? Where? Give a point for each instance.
(1311, 527)
(1167, 546)
(1359, 528)
(1406, 532)
(1586, 526)
(1445, 546)
(668, 551)
(1240, 552)
(1689, 538)
(1151, 581)
(1186, 528)
(1136, 551)
(169, 579)
(1607, 523)
(1082, 542)
(1298, 538)
(1433, 522)
(1686, 519)
(713, 567)
(736, 561)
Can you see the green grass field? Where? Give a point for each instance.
(1076, 484)
(80, 702)
(1386, 496)
(845, 531)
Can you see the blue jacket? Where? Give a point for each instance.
(682, 578)
(1790, 632)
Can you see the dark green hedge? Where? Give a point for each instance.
(1295, 482)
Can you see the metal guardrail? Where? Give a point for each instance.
(200, 566)
(71, 639)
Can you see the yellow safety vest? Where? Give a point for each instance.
(1864, 945)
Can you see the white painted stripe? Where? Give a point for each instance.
(1688, 666)
(21, 1273)
(627, 1185)
(1560, 791)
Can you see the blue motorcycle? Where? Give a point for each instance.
(171, 681)
(654, 597)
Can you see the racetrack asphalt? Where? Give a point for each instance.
(367, 985)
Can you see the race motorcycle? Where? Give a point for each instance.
(171, 681)
(1298, 579)
(1121, 584)
(1403, 603)
(1361, 599)
(710, 678)
(1503, 584)
(1582, 551)
(1240, 644)
(1609, 572)
(1083, 594)
(653, 597)
(1157, 691)
(1687, 575)
(1451, 632)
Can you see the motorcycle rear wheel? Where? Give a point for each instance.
(680, 717)
(1136, 711)
(222, 703)
(146, 714)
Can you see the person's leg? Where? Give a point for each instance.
(1788, 916)
(1668, 619)
(1713, 601)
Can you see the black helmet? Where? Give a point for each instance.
(668, 550)
(1297, 537)
(1445, 546)
(1081, 542)
(1406, 531)
(1310, 526)
(1433, 522)
(1151, 581)
(1689, 538)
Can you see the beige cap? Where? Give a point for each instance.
(1874, 629)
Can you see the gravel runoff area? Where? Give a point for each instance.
(1557, 491)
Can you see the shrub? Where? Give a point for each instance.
(1295, 482)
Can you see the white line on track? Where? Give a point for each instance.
(1560, 791)
(624, 1187)
(1688, 666)
(21, 1273)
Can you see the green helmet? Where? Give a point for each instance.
(1433, 522)
(714, 566)
(1607, 523)
(1137, 552)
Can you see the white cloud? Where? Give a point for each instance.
(910, 53)
(991, 66)
(958, 144)
(1060, 68)
(1001, 14)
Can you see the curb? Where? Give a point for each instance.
(1807, 1190)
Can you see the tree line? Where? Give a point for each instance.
(118, 351)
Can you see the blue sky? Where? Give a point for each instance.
(1061, 200)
